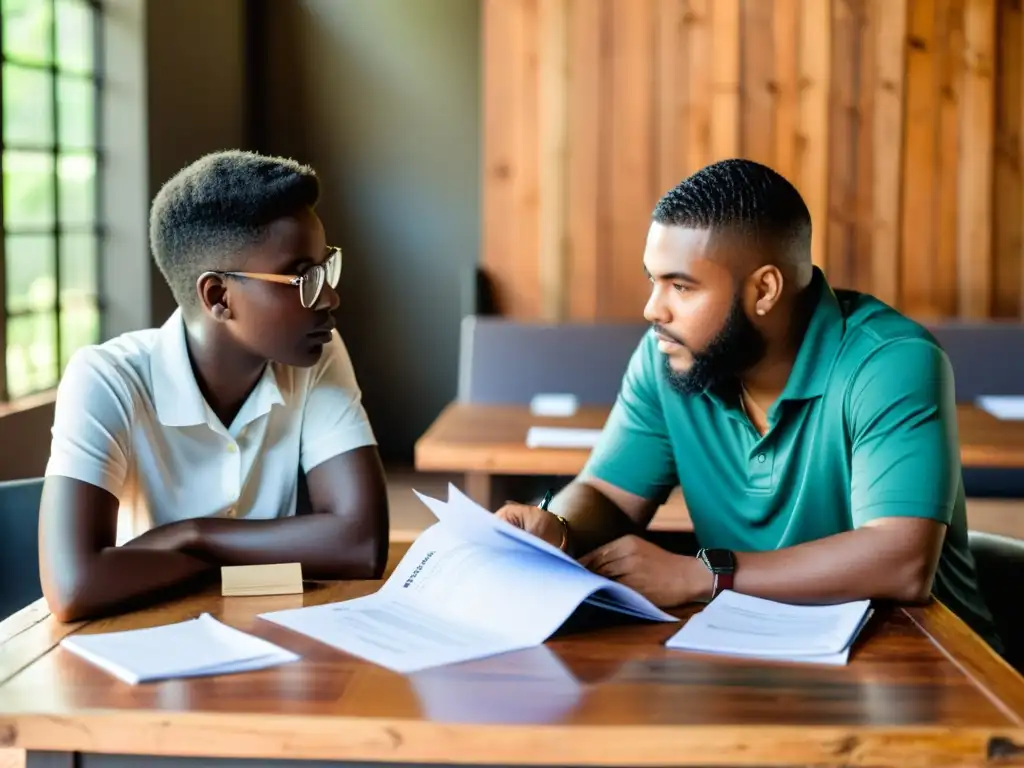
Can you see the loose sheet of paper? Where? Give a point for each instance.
(741, 625)
(1003, 407)
(470, 586)
(561, 437)
(197, 647)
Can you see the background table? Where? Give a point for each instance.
(486, 440)
(920, 689)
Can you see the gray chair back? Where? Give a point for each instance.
(505, 361)
(1000, 565)
(987, 356)
(19, 544)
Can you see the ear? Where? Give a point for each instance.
(213, 295)
(766, 285)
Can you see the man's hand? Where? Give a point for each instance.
(664, 578)
(543, 525)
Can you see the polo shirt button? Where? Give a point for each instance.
(232, 448)
(760, 458)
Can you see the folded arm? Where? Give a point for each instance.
(345, 537)
(83, 573)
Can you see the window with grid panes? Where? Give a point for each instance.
(51, 164)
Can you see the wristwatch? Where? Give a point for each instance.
(722, 563)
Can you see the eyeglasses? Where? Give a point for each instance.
(310, 283)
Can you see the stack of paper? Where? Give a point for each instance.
(1005, 407)
(740, 625)
(192, 648)
(470, 586)
(561, 437)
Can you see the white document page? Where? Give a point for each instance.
(197, 647)
(741, 625)
(561, 437)
(1003, 407)
(465, 590)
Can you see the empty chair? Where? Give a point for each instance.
(987, 356)
(987, 359)
(19, 544)
(504, 361)
(1000, 564)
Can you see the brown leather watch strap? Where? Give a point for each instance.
(722, 581)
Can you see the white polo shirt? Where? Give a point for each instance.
(130, 418)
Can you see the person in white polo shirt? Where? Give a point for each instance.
(178, 449)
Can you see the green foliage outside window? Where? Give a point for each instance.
(50, 164)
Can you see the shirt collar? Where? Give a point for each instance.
(813, 365)
(176, 395)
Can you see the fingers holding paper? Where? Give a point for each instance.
(535, 520)
(664, 578)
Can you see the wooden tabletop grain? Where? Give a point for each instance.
(920, 689)
(468, 437)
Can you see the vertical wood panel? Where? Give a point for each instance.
(919, 234)
(511, 127)
(786, 82)
(1008, 274)
(900, 121)
(584, 157)
(699, 94)
(553, 22)
(977, 130)
(867, 38)
(950, 28)
(759, 87)
(812, 143)
(634, 187)
(887, 147)
(673, 93)
(842, 193)
(725, 66)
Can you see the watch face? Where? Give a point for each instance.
(719, 559)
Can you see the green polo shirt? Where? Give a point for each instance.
(865, 428)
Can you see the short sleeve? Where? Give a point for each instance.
(92, 420)
(333, 419)
(905, 450)
(634, 452)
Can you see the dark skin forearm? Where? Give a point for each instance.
(894, 559)
(344, 536)
(119, 579)
(324, 544)
(593, 518)
(83, 573)
(891, 558)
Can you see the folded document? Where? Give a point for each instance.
(740, 625)
(470, 586)
(197, 647)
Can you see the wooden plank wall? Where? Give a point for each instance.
(899, 120)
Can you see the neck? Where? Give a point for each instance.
(226, 375)
(766, 380)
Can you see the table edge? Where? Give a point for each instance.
(976, 660)
(222, 735)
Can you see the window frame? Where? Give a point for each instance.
(58, 232)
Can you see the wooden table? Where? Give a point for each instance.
(920, 690)
(486, 440)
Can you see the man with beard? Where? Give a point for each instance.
(812, 430)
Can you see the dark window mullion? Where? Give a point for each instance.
(3, 261)
(57, 240)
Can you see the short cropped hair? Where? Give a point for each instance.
(221, 203)
(739, 197)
